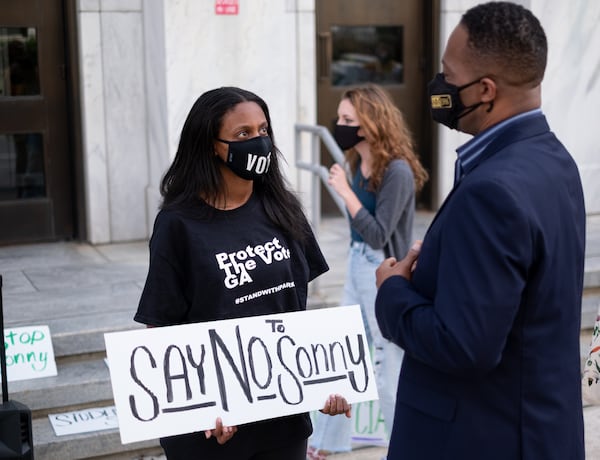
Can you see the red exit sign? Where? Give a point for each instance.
(227, 6)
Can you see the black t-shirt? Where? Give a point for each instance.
(220, 265)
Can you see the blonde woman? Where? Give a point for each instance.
(380, 199)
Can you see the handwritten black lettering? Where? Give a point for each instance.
(316, 347)
(269, 363)
(332, 348)
(199, 366)
(133, 372)
(258, 368)
(359, 359)
(241, 376)
(276, 325)
(301, 351)
(169, 376)
(280, 378)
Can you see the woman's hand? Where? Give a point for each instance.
(338, 181)
(221, 433)
(337, 404)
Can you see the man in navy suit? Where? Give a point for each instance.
(489, 316)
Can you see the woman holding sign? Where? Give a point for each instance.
(380, 200)
(231, 240)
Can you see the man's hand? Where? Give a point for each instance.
(392, 267)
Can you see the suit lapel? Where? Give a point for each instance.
(529, 127)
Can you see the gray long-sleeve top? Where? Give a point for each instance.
(391, 227)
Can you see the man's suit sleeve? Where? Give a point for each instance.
(459, 309)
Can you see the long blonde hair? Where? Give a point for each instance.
(386, 132)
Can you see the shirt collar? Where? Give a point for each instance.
(470, 151)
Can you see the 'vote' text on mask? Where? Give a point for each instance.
(249, 159)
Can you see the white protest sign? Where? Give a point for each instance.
(179, 379)
(29, 353)
(83, 421)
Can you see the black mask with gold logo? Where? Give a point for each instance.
(446, 106)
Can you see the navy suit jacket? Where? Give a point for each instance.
(490, 322)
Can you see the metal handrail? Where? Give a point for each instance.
(319, 171)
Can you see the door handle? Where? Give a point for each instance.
(324, 55)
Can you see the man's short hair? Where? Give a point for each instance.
(509, 40)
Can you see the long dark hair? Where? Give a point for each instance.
(195, 169)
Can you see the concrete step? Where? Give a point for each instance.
(79, 383)
(77, 317)
(89, 338)
(98, 445)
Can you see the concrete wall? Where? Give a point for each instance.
(144, 63)
(111, 40)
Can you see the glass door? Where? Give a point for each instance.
(35, 180)
(377, 41)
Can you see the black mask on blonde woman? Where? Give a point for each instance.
(346, 136)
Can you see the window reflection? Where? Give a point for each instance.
(18, 61)
(367, 54)
(21, 166)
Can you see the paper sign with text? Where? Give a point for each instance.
(84, 421)
(29, 353)
(179, 379)
(368, 427)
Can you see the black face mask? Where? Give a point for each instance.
(346, 136)
(446, 106)
(249, 159)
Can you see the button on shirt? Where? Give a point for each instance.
(469, 153)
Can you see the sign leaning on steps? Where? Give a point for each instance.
(29, 353)
(179, 379)
(84, 421)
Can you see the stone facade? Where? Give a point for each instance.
(144, 62)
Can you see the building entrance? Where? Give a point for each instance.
(388, 42)
(36, 196)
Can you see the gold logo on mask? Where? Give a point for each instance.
(441, 101)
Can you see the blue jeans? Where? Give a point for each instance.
(334, 433)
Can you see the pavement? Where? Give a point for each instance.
(74, 275)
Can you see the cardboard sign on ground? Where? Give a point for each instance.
(179, 379)
(84, 421)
